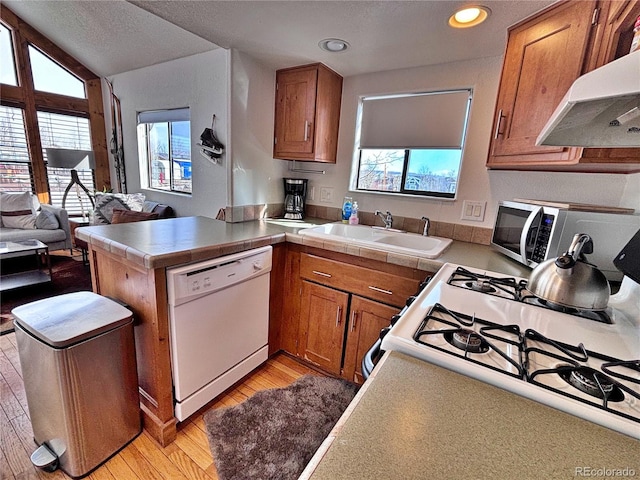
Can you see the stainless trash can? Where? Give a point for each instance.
(78, 362)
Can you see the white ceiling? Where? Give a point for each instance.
(114, 36)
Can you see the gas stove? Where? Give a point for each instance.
(516, 289)
(483, 325)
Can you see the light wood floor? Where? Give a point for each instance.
(188, 457)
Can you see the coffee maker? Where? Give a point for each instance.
(295, 194)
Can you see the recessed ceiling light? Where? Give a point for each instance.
(333, 45)
(469, 16)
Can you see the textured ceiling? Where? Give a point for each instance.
(112, 36)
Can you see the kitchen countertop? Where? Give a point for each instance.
(175, 241)
(415, 420)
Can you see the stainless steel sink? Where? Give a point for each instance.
(381, 239)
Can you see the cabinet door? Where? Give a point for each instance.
(295, 111)
(366, 320)
(543, 58)
(323, 318)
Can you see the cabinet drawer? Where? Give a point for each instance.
(381, 286)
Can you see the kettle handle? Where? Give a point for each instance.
(580, 244)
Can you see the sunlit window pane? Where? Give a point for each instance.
(72, 132)
(50, 77)
(7, 61)
(381, 170)
(164, 140)
(433, 170)
(15, 175)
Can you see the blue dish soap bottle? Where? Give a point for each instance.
(347, 205)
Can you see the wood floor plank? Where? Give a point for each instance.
(191, 448)
(9, 403)
(120, 469)
(16, 455)
(140, 465)
(149, 449)
(198, 436)
(14, 381)
(189, 467)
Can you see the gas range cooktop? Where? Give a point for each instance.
(475, 323)
(515, 289)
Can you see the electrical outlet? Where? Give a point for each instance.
(326, 194)
(473, 210)
(312, 194)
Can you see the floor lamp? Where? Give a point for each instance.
(74, 160)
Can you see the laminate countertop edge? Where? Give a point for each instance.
(183, 240)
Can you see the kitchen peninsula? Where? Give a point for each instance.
(128, 262)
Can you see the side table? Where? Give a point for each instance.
(76, 242)
(41, 274)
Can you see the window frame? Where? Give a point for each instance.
(146, 120)
(356, 167)
(30, 101)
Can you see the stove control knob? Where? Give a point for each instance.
(409, 301)
(395, 319)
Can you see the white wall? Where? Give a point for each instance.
(240, 91)
(200, 82)
(476, 182)
(256, 177)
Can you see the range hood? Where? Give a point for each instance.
(601, 109)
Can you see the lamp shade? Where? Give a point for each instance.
(72, 159)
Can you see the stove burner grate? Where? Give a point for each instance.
(472, 344)
(597, 315)
(467, 340)
(507, 287)
(592, 382)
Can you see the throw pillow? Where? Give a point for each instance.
(106, 203)
(17, 210)
(128, 216)
(46, 220)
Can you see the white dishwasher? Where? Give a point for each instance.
(219, 325)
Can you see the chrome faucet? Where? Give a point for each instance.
(387, 219)
(425, 231)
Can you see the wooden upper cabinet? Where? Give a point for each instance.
(307, 113)
(544, 55)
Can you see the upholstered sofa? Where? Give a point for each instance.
(55, 239)
(115, 208)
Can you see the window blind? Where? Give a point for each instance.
(72, 132)
(162, 116)
(15, 172)
(417, 120)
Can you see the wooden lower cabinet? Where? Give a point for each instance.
(331, 311)
(328, 340)
(322, 320)
(366, 319)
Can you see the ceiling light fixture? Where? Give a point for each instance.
(333, 45)
(469, 16)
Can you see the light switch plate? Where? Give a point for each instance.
(473, 210)
(326, 194)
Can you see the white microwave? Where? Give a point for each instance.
(532, 233)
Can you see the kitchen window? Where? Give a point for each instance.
(164, 145)
(411, 143)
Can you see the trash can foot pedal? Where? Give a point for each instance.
(44, 458)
